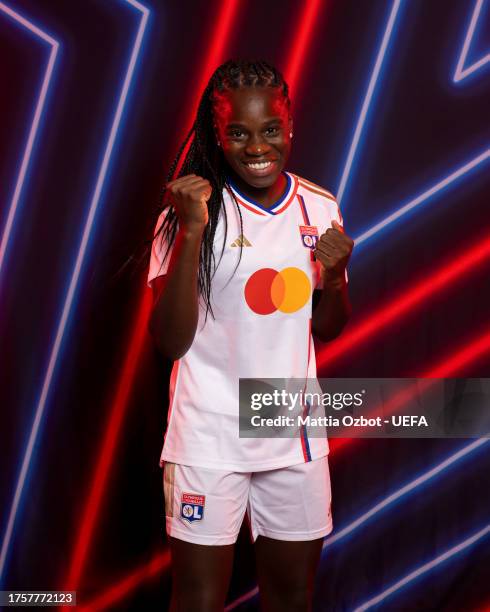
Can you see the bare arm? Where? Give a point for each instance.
(331, 310)
(174, 317)
(175, 313)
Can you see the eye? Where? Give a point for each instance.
(272, 131)
(236, 133)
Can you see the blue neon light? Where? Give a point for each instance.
(70, 295)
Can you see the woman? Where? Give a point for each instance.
(240, 245)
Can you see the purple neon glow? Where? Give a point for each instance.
(413, 484)
(461, 72)
(367, 99)
(33, 131)
(426, 567)
(75, 275)
(459, 75)
(459, 172)
(437, 470)
(421, 198)
(7, 231)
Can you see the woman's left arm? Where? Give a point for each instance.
(332, 311)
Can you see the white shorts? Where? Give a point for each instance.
(206, 506)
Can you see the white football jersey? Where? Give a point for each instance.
(261, 329)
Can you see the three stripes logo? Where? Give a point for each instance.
(241, 241)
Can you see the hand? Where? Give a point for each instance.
(333, 251)
(189, 195)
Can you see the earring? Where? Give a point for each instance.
(216, 135)
(290, 134)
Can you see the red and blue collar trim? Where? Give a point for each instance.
(278, 207)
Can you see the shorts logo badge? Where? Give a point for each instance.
(192, 507)
(309, 236)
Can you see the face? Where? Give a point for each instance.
(253, 125)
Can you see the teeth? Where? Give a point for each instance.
(259, 166)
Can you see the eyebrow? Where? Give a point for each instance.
(237, 124)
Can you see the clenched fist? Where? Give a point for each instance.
(333, 250)
(189, 195)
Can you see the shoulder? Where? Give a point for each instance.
(313, 188)
(318, 196)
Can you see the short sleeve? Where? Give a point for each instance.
(333, 214)
(158, 262)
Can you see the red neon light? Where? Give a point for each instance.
(158, 564)
(461, 358)
(443, 276)
(302, 36)
(219, 38)
(445, 368)
(137, 340)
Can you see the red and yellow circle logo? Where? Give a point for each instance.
(268, 290)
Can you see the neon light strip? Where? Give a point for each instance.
(224, 24)
(242, 599)
(149, 302)
(367, 99)
(426, 567)
(411, 486)
(420, 199)
(302, 37)
(433, 282)
(460, 72)
(459, 359)
(139, 334)
(70, 295)
(438, 470)
(445, 368)
(227, 20)
(363, 237)
(8, 230)
(158, 564)
(471, 447)
(31, 139)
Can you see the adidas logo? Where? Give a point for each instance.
(241, 241)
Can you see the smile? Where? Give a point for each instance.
(259, 165)
(262, 168)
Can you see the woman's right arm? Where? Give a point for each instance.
(175, 313)
(173, 320)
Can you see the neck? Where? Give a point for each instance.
(265, 196)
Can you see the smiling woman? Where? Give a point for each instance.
(233, 191)
(255, 130)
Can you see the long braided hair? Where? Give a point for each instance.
(205, 158)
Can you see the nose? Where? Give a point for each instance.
(256, 146)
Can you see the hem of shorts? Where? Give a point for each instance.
(202, 539)
(296, 536)
(235, 467)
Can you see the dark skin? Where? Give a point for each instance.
(252, 125)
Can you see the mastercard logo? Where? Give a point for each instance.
(268, 290)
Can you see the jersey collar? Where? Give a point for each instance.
(278, 207)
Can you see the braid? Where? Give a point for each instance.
(205, 158)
